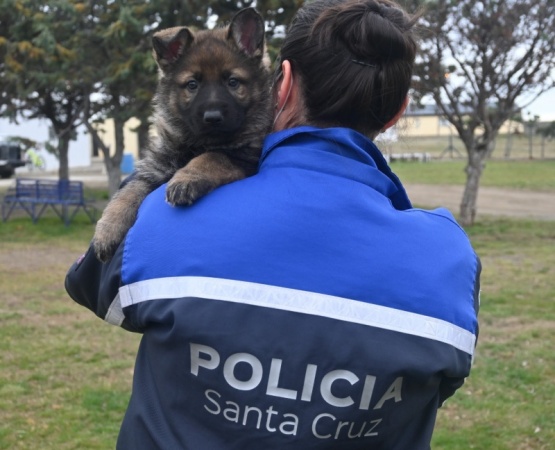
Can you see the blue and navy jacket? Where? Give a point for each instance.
(306, 307)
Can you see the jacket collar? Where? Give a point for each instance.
(340, 151)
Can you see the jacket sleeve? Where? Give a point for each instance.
(95, 286)
(450, 385)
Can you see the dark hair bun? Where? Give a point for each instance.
(355, 61)
(372, 31)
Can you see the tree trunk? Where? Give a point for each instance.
(63, 157)
(114, 177)
(112, 164)
(474, 171)
(143, 133)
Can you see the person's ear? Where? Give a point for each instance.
(286, 84)
(398, 115)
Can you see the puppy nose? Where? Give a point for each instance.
(213, 116)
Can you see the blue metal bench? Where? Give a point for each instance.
(34, 196)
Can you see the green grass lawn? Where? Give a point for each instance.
(65, 375)
(509, 400)
(518, 171)
(536, 175)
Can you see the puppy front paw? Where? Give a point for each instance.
(186, 189)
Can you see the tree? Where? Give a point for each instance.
(41, 69)
(125, 74)
(478, 58)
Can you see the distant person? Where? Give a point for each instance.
(33, 159)
(309, 306)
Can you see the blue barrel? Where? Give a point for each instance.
(127, 164)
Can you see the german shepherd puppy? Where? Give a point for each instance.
(212, 109)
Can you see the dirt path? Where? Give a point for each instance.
(499, 202)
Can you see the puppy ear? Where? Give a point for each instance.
(247, 30)
(170, 44)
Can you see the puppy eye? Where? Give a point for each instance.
(233, 82)
(192, 85)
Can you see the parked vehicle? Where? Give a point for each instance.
(11, 157)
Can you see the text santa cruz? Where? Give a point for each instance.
(324, 425)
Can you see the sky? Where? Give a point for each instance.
(544, 107)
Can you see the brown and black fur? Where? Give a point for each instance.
(212, 110)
